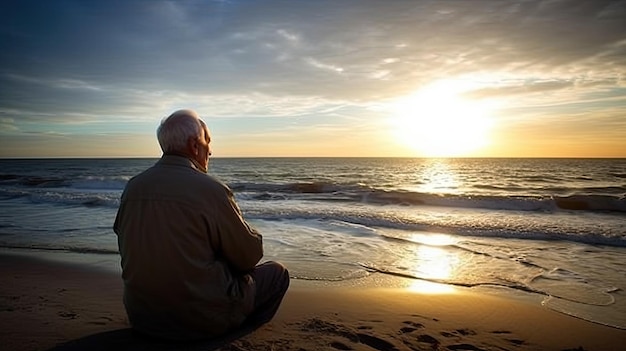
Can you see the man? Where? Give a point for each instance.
(189, 259)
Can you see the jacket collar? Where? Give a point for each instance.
(178, 160)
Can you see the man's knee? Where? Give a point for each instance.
(281, 272)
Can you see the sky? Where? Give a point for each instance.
(350, 78)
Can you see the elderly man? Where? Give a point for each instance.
(189, 259)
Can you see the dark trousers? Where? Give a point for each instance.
(272, 281)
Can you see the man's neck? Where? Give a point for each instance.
(193, 161)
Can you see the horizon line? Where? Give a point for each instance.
(275, 157)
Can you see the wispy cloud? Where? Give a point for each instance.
(128, 63)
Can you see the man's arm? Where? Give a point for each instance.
(238, 243)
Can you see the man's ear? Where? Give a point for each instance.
(192, 146)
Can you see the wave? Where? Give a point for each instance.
(325, 191)
(591, 202)
(511, 196)
(293, 188)
(100, 183)
(88, 199)
(491, 224)
(90, 191)
(88, 182)
(608, 203)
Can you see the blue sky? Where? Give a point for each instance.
(316, 78)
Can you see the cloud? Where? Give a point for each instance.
(221, 47)
(7, 124)
(129, 62)
(520, 88)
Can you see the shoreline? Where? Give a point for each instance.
(47, 304)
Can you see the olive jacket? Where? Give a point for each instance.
(185, 250)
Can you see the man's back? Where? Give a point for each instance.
(185, 249)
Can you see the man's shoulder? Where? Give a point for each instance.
(181, 184)
(176, 174)
(208, 180)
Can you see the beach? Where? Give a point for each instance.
(54, 305)
(384, 254)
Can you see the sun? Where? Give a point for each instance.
(438, 121)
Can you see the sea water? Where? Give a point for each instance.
(553, 228)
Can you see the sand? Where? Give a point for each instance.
(48, 305)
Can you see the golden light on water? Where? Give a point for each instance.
(438, 178)
(432, 239)
(435, 177)
(432, 261)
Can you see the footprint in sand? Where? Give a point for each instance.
(424, 341)
(410, 327)
(447, 335)
(429, 341)
(376, 343)
(321, 326)
(516, 341)
(339, 346)
(466, 332)
(501, 332)
(457, 333)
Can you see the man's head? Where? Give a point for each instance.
(184, 133)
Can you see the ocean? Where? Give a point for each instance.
(548, 228)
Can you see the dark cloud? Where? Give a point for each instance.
(230, 46)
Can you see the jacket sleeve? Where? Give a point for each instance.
(118, 217)
(240, 245)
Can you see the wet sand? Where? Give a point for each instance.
(48, 305)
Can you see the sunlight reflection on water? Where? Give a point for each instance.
(432, 261)
(439, 178)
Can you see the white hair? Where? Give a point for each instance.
(176, 129)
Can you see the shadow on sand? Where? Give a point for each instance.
(127, 339)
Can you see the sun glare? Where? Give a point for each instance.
(437, 121)
(431, 261)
